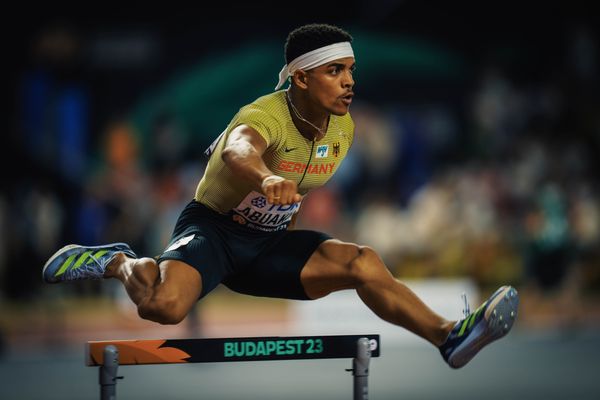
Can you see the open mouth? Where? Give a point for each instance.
(347, 99)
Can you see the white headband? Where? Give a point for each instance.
(315, 58)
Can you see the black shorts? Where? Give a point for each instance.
(246, 260)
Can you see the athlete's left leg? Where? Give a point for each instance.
(336, 265)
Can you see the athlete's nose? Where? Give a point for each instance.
(348, 81)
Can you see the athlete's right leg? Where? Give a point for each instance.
(164, 292)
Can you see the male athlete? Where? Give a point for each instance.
(237, 229)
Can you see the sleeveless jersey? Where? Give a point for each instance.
(288, 154)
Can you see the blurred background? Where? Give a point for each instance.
(475, 164)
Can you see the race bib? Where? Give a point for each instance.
(255, 212)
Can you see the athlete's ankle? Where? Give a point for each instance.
(445, 330)
(114, 267)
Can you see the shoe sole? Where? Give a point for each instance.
(497, 321)
(66, 249)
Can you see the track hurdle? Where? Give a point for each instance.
(108, 355)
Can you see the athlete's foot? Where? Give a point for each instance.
(491, 321)
(75, 262)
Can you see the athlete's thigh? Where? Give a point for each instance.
(275, 271)
(330, 268)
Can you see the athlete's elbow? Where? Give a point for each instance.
(233, 160)
(227, 154)
(235, 154)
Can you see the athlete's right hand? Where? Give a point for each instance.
(280, 190)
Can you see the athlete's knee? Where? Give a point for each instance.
(164, 308)
(145, 262)
(364, 264)
(145, 270)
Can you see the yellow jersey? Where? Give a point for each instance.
(289, 154)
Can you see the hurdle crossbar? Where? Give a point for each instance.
(109, 354)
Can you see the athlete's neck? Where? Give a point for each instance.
(310, 122)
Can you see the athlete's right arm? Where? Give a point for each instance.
(243, 154)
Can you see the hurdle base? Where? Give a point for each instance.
(316, 348)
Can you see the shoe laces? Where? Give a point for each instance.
(96, 260)
(93, 266)
(467, 310)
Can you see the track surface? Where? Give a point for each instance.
(524, 365)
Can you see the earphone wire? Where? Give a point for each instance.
(300, 117)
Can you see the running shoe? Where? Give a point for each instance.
(491, 321)
(75, 262)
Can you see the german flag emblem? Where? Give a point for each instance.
(336, 149)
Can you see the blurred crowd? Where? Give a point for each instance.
(505, 190)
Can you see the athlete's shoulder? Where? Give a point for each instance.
(272, 102)
(268, 107)
(266, 115)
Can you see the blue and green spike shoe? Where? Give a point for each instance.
(75, 262)
(491, 321)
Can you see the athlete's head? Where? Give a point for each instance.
(320, 62)
(311, 37)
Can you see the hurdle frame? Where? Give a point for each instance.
(109, 355)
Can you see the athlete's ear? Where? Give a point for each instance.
(300, 78)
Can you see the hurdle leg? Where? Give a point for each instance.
(360, 369)
(108, 373)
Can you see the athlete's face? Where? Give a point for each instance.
(331, 85)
